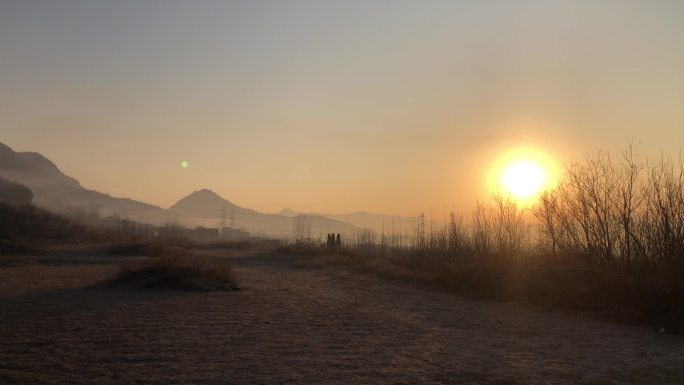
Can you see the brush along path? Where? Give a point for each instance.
(303, 326)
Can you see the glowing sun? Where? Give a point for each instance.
(523, 174)
(523, 179)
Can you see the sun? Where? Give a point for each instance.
(523, 179)
(523, 174)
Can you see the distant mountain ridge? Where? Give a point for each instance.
(208, 205)
(55, 191)
(364, 219)
(58, 192)
(30, 162)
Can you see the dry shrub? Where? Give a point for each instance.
(177, 269)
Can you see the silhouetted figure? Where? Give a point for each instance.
(338, 241)
(331, 242)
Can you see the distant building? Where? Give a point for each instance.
(231, 234)
(206, 234)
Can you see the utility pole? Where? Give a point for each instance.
(421, 229)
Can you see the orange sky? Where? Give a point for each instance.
(384, 106)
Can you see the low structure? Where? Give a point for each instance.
(231, 234)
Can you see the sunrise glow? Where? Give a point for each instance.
(523, 179)
(523, 174)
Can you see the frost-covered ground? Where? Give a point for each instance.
(316, 326)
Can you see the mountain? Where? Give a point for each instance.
(366, 220)
(207, 204)
(208, 208)
(288, 213)
(54, 190)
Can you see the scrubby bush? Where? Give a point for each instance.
(177, 269)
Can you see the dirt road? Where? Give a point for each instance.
(318, 326)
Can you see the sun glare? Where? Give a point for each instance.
(523, 175)
(523, 179)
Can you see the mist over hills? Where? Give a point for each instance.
(55, 191)
(363, 219)
(205, 205)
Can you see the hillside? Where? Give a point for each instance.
(14, 194)
(55, 191)
(206, 207)
(60, 193)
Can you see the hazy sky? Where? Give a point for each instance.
(389, 106)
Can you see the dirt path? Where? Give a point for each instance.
(304, 326)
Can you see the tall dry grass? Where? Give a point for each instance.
(609, 235)
(624, 214)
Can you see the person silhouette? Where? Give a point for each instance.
(338, 241)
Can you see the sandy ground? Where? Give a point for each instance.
(303, 326)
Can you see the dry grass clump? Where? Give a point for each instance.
(177, 269)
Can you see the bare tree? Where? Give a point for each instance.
(481, 231)
(547, 214)
(631, 199)
(510, 227)
(457, 236)
(663, 222)
(302, 228)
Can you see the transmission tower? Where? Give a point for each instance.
(223, 217)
